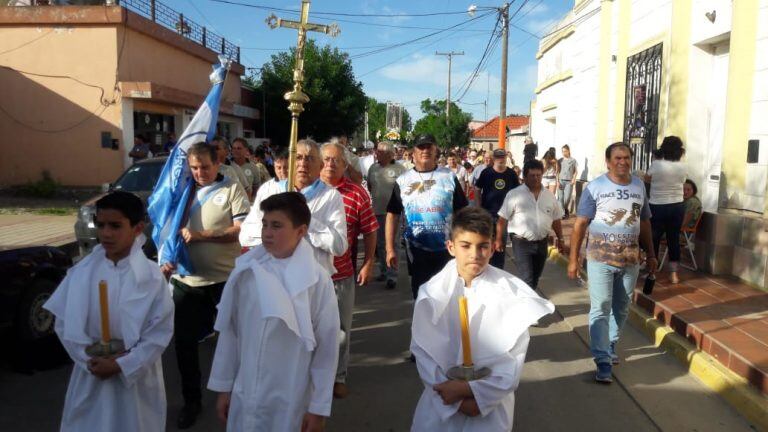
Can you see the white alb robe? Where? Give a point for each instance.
(327, 230)
(278, 325)
(501, 308)
(141, 314)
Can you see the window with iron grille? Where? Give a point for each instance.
(641, 104)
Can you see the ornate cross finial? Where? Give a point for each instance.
(296, 97)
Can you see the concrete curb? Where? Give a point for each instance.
(736, 390)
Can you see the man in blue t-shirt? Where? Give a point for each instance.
(492, 186)
(615, 209)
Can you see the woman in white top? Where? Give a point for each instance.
(667, 176)
(549, 178)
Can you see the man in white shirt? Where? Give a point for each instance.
(532, 212)
(328, 229)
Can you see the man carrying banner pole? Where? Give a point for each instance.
(197, 214)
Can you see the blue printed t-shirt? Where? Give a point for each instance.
(428, 200)
(615, 211)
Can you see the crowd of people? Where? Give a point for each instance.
(273, 276)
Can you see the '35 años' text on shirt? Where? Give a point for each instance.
(615, 211)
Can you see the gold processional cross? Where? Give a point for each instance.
(297, 98)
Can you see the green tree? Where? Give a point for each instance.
(455, 133)
(377, 118)
(337, 101)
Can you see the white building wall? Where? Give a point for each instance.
(757, 174)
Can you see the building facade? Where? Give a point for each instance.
(79, 82)
(486, 136)
(639, 70)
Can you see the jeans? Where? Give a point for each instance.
(666, 221)
(564, 192)
(424, 265)
(530, 257)
(345, 294)
(381, 248)
(610, 292)
(193, 319)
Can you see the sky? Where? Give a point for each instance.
(411, 72)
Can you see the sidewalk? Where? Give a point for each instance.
(36, 230)
(719, 316)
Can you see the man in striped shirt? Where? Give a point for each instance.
(360, 219)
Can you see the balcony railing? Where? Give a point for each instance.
(176, 21)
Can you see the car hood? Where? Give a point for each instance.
(144, 195)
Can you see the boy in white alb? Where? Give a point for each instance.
(124, 392)
(501, 308)
(276, 357)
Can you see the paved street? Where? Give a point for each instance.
(652, 391)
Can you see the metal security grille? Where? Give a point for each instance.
(641, 104)
(176, 21)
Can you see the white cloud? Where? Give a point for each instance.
(540, 26)
(433, 70)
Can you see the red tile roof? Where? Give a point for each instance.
(491, 128)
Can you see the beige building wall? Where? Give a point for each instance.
(52, 123)
(73, 74)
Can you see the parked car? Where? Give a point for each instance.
(30, 275)
(139, 179)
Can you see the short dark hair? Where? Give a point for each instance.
(282, 154)
(260, 153)
(293, 204)
(242, 141)
(672, 148)
(566, 147)
(126, 203)
(533, 164)
(693, 186)
(203, 149)
(473, 219)
(617, 144)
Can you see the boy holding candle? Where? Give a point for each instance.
(278, 324)
(497, 310)
(115, 293)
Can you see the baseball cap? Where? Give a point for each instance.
(499, 154)
(424, 139)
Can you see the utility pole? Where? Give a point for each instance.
(504, 48)
(448, 101)
(365, 140)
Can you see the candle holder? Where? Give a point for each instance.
(468, 373)
(101, 349)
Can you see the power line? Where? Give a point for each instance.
(367, 23)
(403, 56)
(399, 44)
(28, 42)
(389, 15)
(489, 47)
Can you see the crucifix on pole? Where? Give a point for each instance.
(297, 98)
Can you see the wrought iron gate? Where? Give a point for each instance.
(641, 104)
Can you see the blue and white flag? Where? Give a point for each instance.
(167, 204)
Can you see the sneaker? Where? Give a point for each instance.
(603, 374)
(391, 284)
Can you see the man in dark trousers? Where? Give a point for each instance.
(492, 186)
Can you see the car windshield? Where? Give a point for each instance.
(139, 177)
